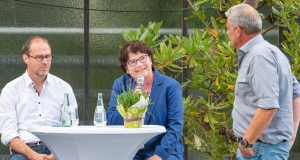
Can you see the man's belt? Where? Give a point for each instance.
(34, 144)
(258, 140)
(239, 139)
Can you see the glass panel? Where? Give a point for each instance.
(107, 20)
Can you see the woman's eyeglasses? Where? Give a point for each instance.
(133, 62)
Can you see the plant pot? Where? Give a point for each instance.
(133, 122)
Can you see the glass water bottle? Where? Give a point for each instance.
(66, 112)
(100, 114)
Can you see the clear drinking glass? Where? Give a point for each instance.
(75, 117)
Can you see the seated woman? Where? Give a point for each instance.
(166, 108)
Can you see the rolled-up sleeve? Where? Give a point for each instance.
(8, 118)
(264, 68)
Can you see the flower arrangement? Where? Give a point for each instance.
(132, 105)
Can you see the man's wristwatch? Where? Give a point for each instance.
(245, 144)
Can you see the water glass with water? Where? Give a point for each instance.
(75, 117)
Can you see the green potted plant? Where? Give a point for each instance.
(132, 105)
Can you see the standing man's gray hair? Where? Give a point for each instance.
(246, 17)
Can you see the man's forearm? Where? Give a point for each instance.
(259, 123)
(19, 146)
(296, 118)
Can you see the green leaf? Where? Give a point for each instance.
(275, 11)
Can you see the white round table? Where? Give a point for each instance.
(88, 142)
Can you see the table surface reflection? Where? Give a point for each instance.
(112, 142)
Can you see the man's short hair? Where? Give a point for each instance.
(246, 17)
(27, 43)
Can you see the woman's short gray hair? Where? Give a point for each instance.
(246, 17)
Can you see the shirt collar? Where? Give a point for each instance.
(28, 80)
(247, 47)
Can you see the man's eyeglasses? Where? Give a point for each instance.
(133, 62)
(40, 58)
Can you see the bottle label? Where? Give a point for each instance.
(99, 109)
(100, 117)
(68, 109)
(66, 117)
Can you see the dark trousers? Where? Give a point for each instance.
(41, 149)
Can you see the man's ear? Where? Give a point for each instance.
(239, 31)
(25, 58)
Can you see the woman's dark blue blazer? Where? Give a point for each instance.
(166, 109)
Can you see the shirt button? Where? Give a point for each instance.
(40, 115)
(39, 102)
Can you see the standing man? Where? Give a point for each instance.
(34, 98)
(264, 90)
